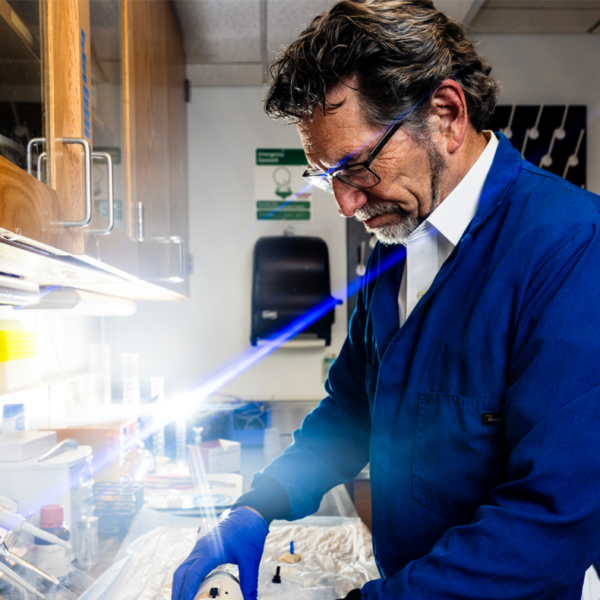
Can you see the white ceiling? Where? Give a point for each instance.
(232, 42)
(538, 16)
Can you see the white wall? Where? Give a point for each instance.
(63, 343)
(551, 69)
(188, 342)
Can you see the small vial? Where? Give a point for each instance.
(52, 558)
(87, 542)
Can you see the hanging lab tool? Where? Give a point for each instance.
(557, 134)
(573, 160)
(507, 131)
(534, 133)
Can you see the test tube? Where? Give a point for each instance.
(131, 379)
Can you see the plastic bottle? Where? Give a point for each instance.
(52, 558)
(14, 423)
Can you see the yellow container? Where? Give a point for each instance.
(19, 363)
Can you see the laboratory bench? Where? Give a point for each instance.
(336, 508)
(111, 548)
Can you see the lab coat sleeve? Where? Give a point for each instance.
(332, 445)
(540, 530)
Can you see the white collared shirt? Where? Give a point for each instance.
(433, 241)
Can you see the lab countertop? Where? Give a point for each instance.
(112, 548)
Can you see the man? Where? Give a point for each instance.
(469, 378)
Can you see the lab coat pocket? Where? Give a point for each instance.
(460, 453)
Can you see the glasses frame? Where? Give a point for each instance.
(335, 172)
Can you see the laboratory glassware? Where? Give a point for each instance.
(51, 557)
(131, 379)
(87, 542)
(100, 368)
(180, 439)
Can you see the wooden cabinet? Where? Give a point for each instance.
(160, 140)
(105, 83)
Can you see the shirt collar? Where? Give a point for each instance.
(454, 214)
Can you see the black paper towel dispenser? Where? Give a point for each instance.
(290, 279)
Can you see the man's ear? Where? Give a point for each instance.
(449, 109)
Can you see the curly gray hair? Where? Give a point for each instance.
(396, 51)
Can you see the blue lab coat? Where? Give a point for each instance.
(481, 415)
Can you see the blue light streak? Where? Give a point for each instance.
(42, 294)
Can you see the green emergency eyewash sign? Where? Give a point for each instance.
(279, 187)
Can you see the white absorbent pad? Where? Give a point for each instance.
(337, 555)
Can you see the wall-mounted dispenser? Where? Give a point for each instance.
(291, 279)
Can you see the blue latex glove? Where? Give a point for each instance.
(238, 539)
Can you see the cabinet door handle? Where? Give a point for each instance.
(111, 194)
(33, 142)
(88, 181)
(42, 157)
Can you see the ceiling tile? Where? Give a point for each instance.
(543, 4)
(286, 20)
(534, 20)
(457, 9)
(217, 31)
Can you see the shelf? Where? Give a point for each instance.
(37, 264)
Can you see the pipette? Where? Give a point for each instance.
(16, 523)
(14, 578)
(61, 447)
(6, 553)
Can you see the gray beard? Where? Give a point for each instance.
(399, 232)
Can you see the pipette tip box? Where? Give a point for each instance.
(27, 445)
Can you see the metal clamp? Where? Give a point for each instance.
(32, 142)
(88, 181)
(111, 194)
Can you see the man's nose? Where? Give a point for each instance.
(348, 199)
